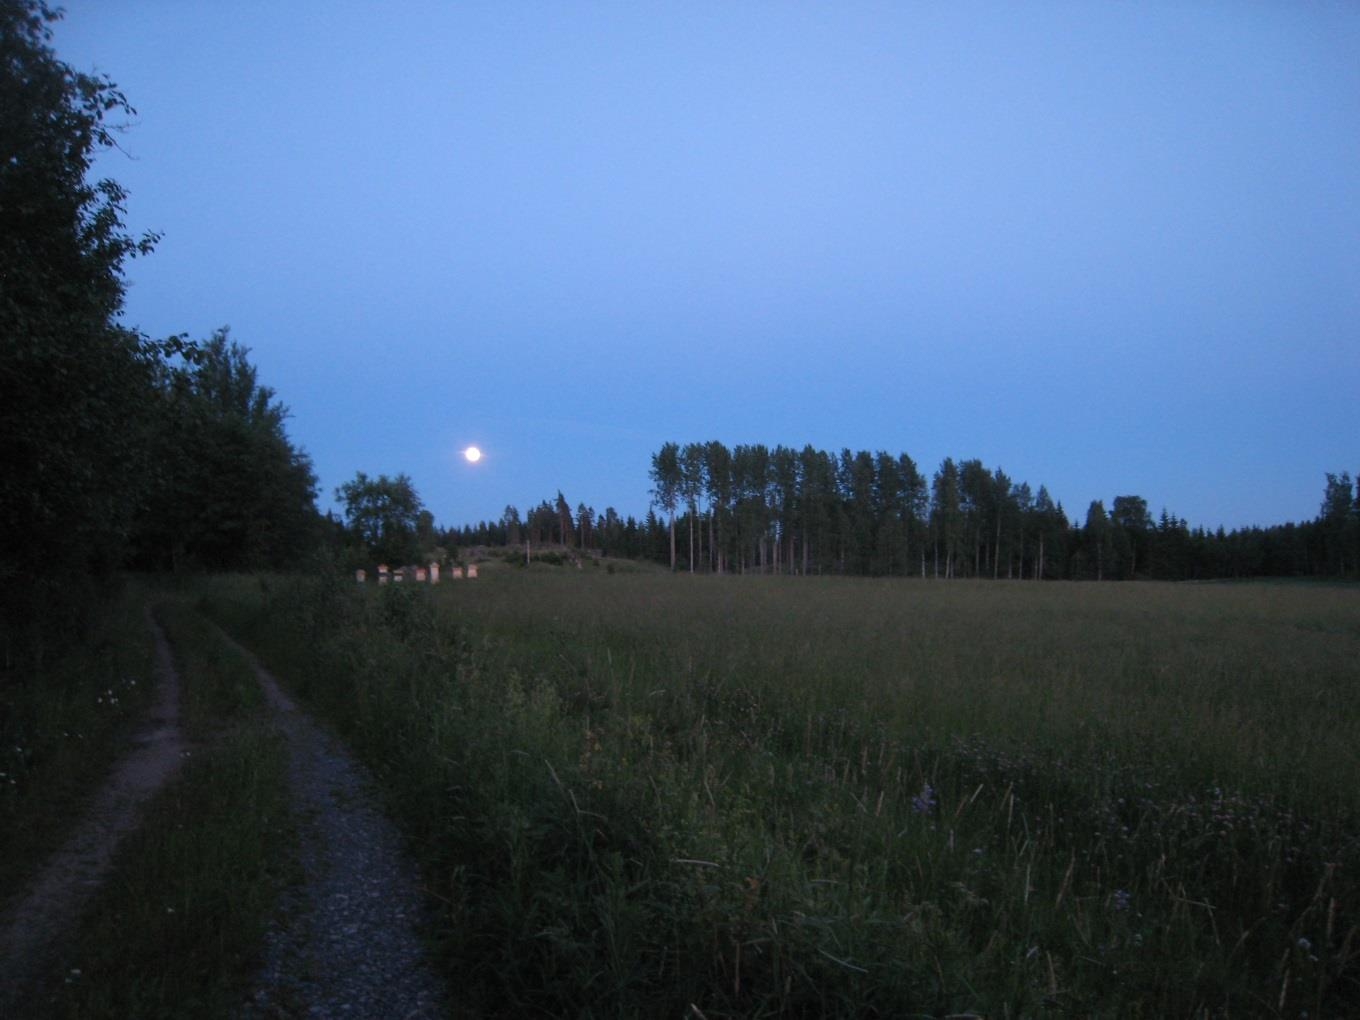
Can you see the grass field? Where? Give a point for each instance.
(669, 796)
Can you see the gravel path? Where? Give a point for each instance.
(47, 911)
(346, 942)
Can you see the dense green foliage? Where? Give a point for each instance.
(110, 442)
(385, 520)
(74, 386)
(227, 490)
(649, 796)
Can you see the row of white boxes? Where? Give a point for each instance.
(421, 574)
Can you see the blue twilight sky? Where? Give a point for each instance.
(1110, 247)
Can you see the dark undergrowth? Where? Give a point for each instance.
(65, 717)
(178, 928)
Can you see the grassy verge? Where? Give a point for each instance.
(177, 929)
(62, 728)
(742, 797)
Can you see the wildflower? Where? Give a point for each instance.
(924, 801)
(1121, 899)
(1304, 944)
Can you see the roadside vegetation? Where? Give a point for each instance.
(177, 929)
(62, 724)
(742, 797)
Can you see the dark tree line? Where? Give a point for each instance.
(784, 511)
(74, 421)
(554, 523)
(808, 511)
(226, 489)
(116, 448)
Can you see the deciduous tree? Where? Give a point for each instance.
(227, 490)
(74, 386)
(382, 513)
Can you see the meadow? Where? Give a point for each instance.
(652, 795)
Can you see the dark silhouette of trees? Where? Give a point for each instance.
(75, 387)
(226, 489)
(809, 511)
(1338, 523)
(753, 509)
(116, 448)
(382, 515)
(667, 482)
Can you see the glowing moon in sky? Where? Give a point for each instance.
(472, 454)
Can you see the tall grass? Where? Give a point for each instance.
(743, 797)
(177, 928)
(62, 724)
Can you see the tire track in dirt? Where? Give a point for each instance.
(345, 942)
(47, 911)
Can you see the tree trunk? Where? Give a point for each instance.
(691, 540)
(712, 548)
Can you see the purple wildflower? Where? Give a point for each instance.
(924, 802)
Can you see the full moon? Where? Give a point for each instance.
(472, 454)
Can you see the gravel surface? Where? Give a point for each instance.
(46, 912)
(345, 944)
